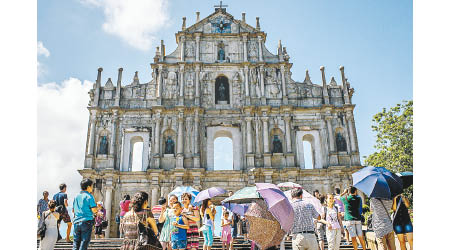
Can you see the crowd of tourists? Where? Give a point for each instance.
(177, 224)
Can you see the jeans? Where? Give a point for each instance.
(208, 236)
(82, 234)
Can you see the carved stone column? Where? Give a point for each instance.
(351, 129)
(155, 188)
(247, 89)
(290, 161)
(112, 147)
(261, 78)
(196, 141)
(108, 201)
(180, 156)
(181, 97)
(258, 137)
(283, 84)
(267, 154)
(244, 40)
(156, 146)
(160, 83)
(92, 132)
(197, 84)
(197, 47)
(249, 134)
(260, 49)
(182, 41)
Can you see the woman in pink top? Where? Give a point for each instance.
(332, 219)
(124, 207)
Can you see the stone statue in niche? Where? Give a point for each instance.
(341, 144)
(277, 147)
(254, 88)
(103, 150)
(274, 90)
(253, 50)
(222, 96)
(170, 146)
(221, 52)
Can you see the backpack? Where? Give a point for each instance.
(42, 227)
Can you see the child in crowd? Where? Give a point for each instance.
(179, 233)
(226, 230)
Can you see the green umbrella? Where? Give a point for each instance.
(242, 196)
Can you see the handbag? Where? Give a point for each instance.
(104, 224)
(146, 236)
(42, 227)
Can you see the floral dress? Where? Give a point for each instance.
(129, 227)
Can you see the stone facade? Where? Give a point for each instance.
(220, 81)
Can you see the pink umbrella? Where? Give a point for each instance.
(278, 204)
(308, 198)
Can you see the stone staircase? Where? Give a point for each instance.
(114, 244)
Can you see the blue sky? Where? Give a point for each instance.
(372, 39)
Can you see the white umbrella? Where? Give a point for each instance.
(308, 198)
(289, 185)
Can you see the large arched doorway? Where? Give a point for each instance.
(222, 90)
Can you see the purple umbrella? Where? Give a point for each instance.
(209, 193)
(278, 204)
(236, 208)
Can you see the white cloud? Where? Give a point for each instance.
(62, 128)
(41, 50)
(135, 22)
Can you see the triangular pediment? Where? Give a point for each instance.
(220, 22)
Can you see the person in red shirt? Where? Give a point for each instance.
(124, 207)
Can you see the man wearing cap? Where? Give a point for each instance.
(303, 237)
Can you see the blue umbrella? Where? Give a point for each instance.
(236, 208)
(377, 182)
(185, 189)
(407, 178)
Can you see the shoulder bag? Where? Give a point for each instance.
(42, 227)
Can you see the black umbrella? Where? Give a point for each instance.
(407, 178)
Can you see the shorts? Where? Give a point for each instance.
(98, 230)
(353, 227)
(64, 216)
(403, 229)
(320, 231)
(179, 244)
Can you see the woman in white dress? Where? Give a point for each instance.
(51, 232)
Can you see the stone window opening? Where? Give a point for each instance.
(136, 154)
(309, 151)
(222, 90)
(223, 153)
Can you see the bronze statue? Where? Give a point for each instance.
(277, 147)
(221, 54)
(170, 145)
(341, 143)
(103, 146)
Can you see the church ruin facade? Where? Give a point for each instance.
(221, 81)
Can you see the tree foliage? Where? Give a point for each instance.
(394, 144)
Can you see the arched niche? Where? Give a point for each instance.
(103, 142)
(219, 131)
(169, 137)
(222, 90)
(339, 138)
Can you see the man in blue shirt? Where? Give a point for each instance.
(61, 203)
(84, 210)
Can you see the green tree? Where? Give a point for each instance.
(394, 144)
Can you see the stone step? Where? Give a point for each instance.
(114, 244)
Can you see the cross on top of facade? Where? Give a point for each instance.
(220, 6)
